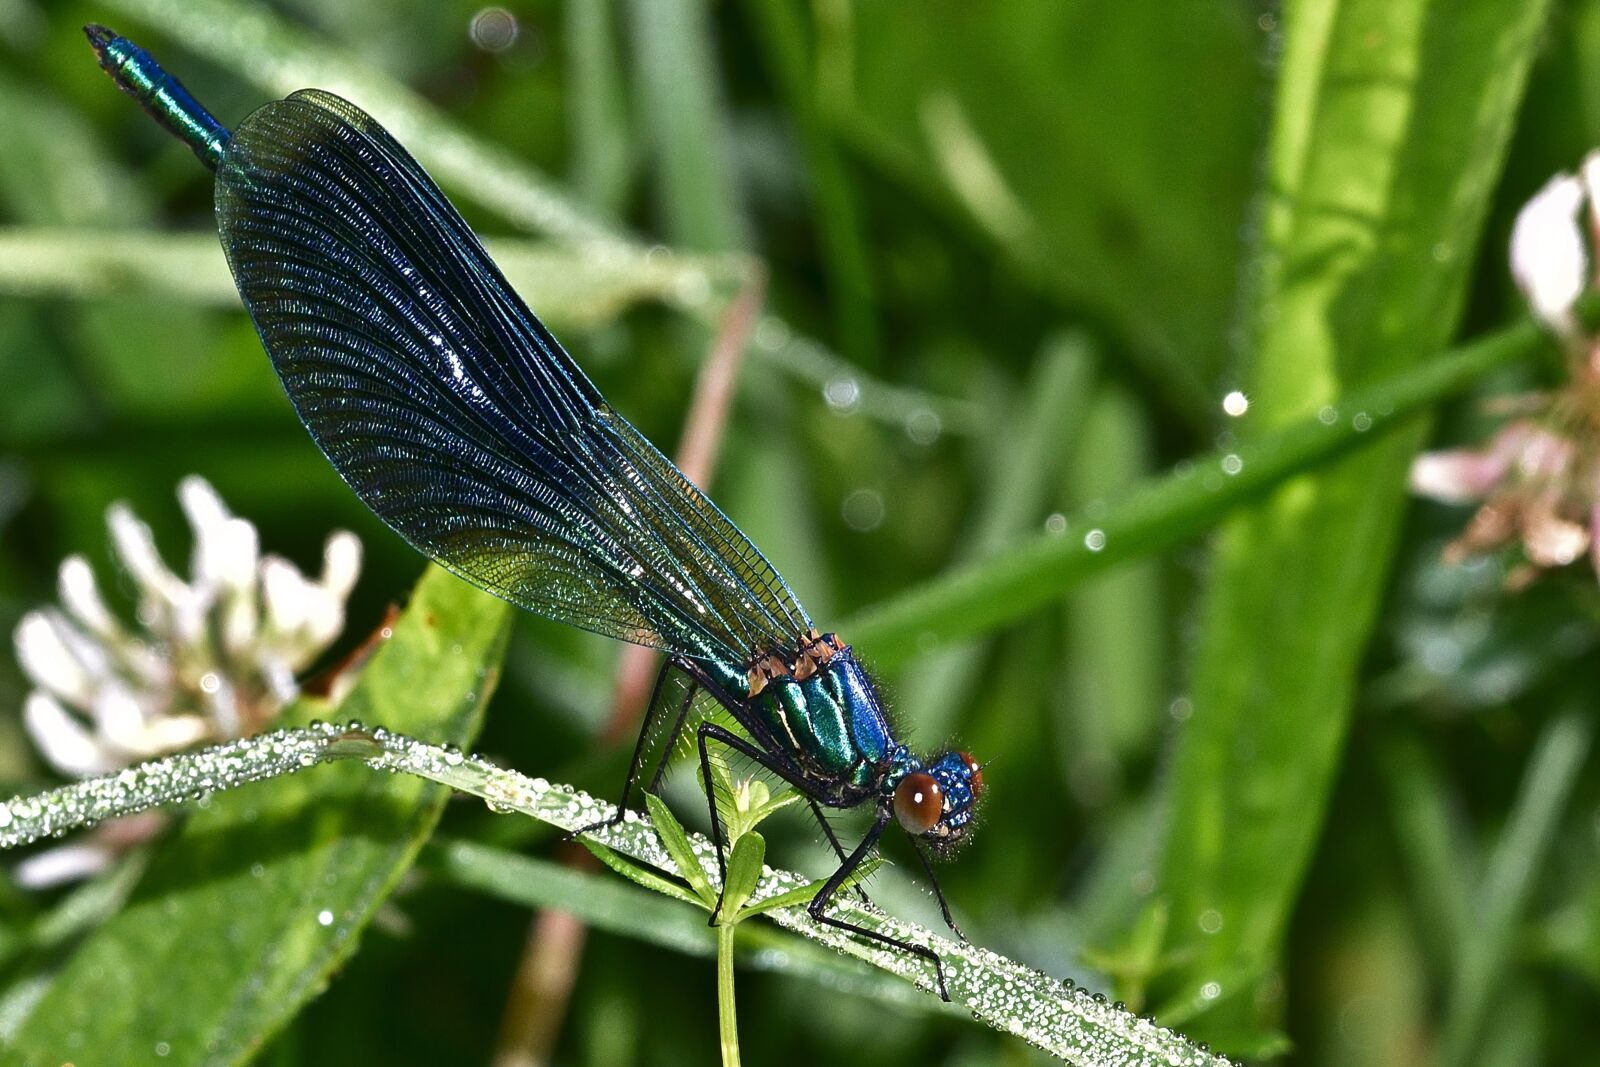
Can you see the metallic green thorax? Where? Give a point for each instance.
(831, 724)
(160, 94)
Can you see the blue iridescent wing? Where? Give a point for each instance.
(451, 410)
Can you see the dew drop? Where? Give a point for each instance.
(924, 426)
(863, 510)
(1094, 540)
(842, 394)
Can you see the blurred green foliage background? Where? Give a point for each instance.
(1299, 789)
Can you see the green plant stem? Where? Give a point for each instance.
(727, 1013)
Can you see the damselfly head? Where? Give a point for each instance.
(937, 803)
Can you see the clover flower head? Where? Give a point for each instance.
(208, 658)
(1537, 481)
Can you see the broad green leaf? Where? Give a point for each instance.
(744, 871)
(247, 911)
(1391, 123)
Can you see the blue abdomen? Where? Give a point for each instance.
(160, 94)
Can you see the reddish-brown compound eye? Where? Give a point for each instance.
(918, 803)
(974, 774)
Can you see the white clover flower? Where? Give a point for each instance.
(211, 658)
(1537, 481)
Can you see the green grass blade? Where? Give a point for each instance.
(603, 903)
(1523, 852)
(1431, 845)
(1023, 471)
(573, 289)
(1174, 508)
(1115, 681)
(681, 100)
(781, 30)
(247, 911)
(600, 136)
(1391, 124)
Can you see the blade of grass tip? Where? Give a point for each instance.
(1431, 846)
(1166, 511)
(675, 841)
(782, 33)
(1501, 900)
(600, 134)
(1023, 460)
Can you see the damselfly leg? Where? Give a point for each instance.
(709, 732)
(659, 696)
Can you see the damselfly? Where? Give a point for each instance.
(457, 418)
